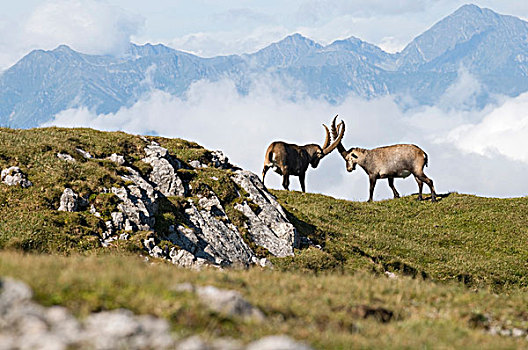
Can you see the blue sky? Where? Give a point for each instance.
(214, 27)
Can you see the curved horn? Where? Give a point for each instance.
(337, 141)
(334, 129)
(327, 139)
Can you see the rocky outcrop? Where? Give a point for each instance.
(206, 236)
(66, 157)
(138, 201)
(13, 176)
(71, 201)
(227, 302)
(268, 226)
(27, 325)
(164, 171)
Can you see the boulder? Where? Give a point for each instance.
(163, 173)
(228, 302)
(27, 325)
(66, 157)
(119, 160)
(275, 342)
(71, 201)
(13, 176)
(138, 201)
(269, 227)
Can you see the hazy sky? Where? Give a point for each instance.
(212, 27)
(483, 152)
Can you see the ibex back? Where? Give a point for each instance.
(290, 159)
(387, 162)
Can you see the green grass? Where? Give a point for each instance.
(478, 241)
(317, 308)
(456, 260)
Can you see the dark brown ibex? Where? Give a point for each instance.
(289, 159)
(387, 162)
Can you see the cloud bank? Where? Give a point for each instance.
(479, 152)
(88, 26)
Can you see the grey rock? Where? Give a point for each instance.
(228, 302)
(120, 329)
(276, 342)
(66, 157)
(138, 201)
(211, 238)
(119, 160)
(517, 332)
(84, 153)
(164, 171)
(186, 259)
(94, 211)
(219, 160)
(69, 201)
(195, 164)
(269, 227)
(13, 176)
(27, 325)
(118, 220)
(194, 342)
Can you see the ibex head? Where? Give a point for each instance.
(317, 153)
(352, 156)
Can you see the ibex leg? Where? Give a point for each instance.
(372, 185)
(391, 185)
(264, 171)
(285, 181)
(301, 180)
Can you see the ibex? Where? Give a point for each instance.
(387, 162)
(289, 159)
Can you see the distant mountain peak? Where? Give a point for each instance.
(63, 48)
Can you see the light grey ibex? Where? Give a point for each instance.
(387, 162)
(290, 159)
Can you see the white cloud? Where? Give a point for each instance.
(218, 117)
(503, 131)
(89, 26)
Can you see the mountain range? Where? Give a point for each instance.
(493, 48)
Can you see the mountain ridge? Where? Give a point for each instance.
(492, 47)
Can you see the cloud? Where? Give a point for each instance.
(503, 131)
(215, 115)
(89, 26)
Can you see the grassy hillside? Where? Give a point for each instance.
(480, 242)
(460, 264)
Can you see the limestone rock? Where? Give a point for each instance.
(66, 157)
(219, 160)
(212, 237)
(228, 302)
(275, 342)
(71, 201)
(120, 329)
(164, 171)
(13, 176)
(119, 160)
(196, 164)
(138, 201)
(269, 227)
(84, 153)
(27, 325)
